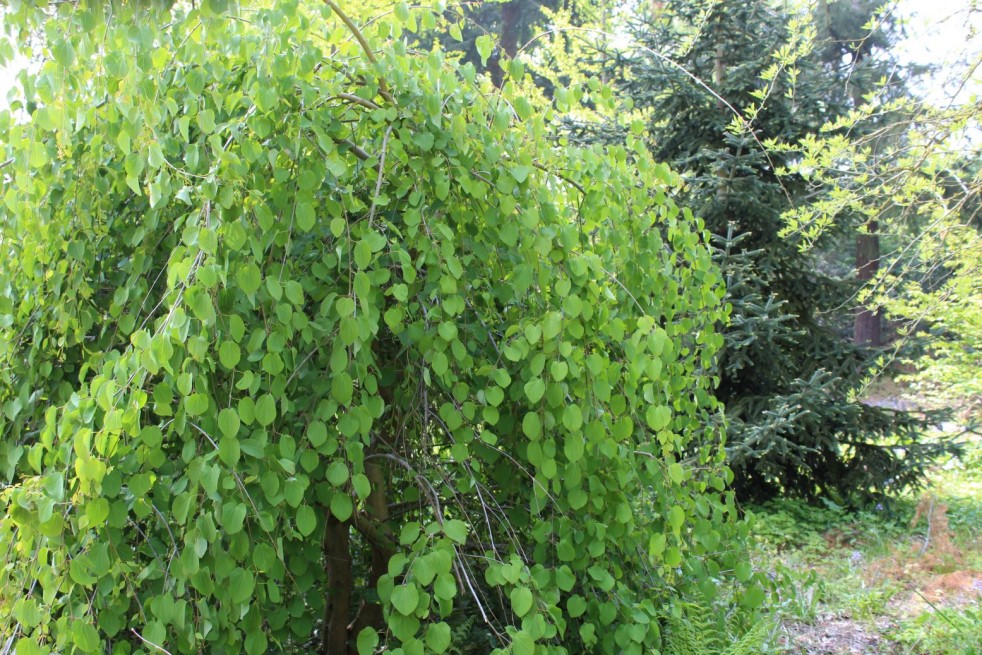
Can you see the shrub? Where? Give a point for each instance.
(309, 341)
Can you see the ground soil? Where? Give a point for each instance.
(838, 635)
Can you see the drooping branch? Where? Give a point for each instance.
(383, 87)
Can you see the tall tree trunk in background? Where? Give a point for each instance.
(867, 326)
(850, 42)
(719, 69)
(510, 14)
(866, 329)
(719, 78)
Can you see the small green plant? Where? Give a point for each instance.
(872, 602)
(800, 593)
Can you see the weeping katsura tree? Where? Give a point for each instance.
(311, 342)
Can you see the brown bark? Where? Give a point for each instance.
(866, 330)
(337, 559)
(719, 78)
(373, 528)
(372, 524)
(510, 14)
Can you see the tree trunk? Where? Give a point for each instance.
(337, 609)
(370, 614)
(510, 14)
(719, 70)
(866, 330)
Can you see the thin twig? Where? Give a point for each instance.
(148, 642)
(927, 538)
(357, 100)
(378, 179)
(422, 481)
(231, 470)
(578, 186)
(741, 119)
(383, 87)
(358, 151)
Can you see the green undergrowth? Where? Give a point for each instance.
(942, 632)
(908, 570)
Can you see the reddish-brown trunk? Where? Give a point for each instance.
(866, 329)
(719, 71)
(337, 560)
(373, 528)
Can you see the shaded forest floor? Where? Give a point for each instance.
(899, 580)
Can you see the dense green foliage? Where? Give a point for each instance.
(713, 83)
(304, 348)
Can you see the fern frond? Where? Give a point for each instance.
(697, 628)
(751, 642)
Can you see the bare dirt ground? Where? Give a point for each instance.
(838, 635)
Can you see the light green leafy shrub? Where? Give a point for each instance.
(312, 342)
